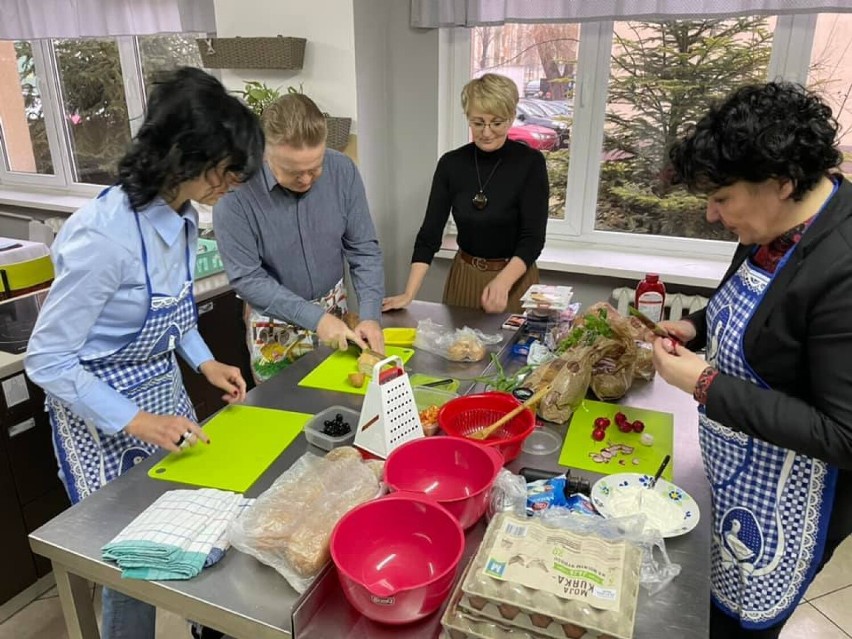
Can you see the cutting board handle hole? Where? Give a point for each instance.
(160, 471)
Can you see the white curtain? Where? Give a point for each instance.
(431, 14)
(35, 19)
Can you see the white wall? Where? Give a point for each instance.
(397, 77)
(328, 74)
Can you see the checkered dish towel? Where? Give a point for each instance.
(177, 536)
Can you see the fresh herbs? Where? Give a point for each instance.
(500, 381)
(594, 326)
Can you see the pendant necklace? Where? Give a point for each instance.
(480, 200)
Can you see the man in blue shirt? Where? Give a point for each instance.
(285, 236)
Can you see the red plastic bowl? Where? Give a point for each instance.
(461, 416)
(397, 557)
(457, 473)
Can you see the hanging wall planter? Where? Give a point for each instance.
(338, 132)
(252, 53)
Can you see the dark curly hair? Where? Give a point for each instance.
(773, 130)
(191, 126)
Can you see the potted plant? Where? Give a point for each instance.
(258, 96)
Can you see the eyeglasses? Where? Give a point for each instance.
(494, 125)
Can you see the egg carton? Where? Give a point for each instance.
(543, 613)
(462, 624)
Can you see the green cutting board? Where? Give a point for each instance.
(579, 446)
(332, 372)
(244, 441)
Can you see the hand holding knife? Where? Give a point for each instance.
(654, 327)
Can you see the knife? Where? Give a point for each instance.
(437, 382)
(658, 330)
(367, 350)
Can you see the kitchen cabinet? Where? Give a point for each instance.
(30, 491)
(220, 322)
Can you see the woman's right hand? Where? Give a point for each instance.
(165, 431)
(683, 330)
(395, 302)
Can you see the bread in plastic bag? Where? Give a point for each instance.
(457, 345)
(290, 524)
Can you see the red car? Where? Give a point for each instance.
(538, 137)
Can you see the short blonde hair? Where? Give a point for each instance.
(491, 93)
(295, 120)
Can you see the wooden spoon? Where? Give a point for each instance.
(487, 431)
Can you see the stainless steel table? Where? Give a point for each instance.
(248, 600)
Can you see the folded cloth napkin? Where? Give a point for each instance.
(174, 537)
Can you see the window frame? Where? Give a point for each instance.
(47, 72)
(790, 59)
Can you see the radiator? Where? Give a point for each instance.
(677, 304)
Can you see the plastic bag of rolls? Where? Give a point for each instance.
(290, 524)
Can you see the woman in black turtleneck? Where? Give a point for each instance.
(497, 191)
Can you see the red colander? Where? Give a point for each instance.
(461, 416)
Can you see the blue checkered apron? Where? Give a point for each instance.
(145, 371)
(771, 506)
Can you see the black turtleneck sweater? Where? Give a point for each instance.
(514, 221)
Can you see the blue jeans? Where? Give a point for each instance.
(126, 618)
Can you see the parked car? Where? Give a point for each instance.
(531, 113)
(538, 137)
(532, 89)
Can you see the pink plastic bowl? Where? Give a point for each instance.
(397, 557)
(457, 473)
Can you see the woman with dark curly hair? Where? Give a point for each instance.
(775, 390)
(121, 304)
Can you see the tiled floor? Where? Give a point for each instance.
(826, 612)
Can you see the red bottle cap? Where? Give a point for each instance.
(652, 277)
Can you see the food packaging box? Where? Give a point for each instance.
(522, 564)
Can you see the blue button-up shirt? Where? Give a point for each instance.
(99, 301)
(281, 250)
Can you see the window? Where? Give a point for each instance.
(830, 73)
(617, 94)
(164, 53)
(662, 76)
(68, 108)
(94, 107)
(22, 127)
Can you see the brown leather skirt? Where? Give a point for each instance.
(466, 282)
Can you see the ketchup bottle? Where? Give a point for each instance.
(651, 297)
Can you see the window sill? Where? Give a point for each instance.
(571, 257)
(43, 200)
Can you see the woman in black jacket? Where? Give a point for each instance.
(775, 390)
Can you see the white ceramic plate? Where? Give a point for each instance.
(604, 487)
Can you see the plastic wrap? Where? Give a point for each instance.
(656, 570)
(644, 361)
(457, 345)
(290, 524)
(509, 494)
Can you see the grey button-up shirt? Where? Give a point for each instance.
(281, 250)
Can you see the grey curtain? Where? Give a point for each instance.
(431, 14)
(36, 19)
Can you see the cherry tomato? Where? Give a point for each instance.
(598, 434)
(620, 418)
(625, 427)
(638, 426)
(602, 422)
